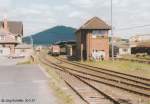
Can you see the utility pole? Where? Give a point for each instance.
(112, 34)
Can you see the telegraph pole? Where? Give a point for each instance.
(112, 34)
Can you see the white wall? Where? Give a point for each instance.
(122, 52)
(23, 52)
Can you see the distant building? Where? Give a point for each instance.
(23, 50)
(92, 37)
(71, 50)
(122, 48)
(139, 38)
(11, 33)
(141, 47)
(140, 44)
(67, 47)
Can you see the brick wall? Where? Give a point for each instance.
(100, 44)
(86, 43)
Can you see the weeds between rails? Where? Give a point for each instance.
(117, 86)
(109, 79)
(53, 65)
(135, 60)
(124, 88)
(136, 79)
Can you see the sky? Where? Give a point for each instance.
(38, 15)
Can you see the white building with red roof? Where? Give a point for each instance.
(11, 33)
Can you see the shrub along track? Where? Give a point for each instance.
(134, 84)
(87, 92)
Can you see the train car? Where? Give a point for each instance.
(55, 50)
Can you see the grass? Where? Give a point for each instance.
(24, 62)
(58, 85)
(140, 58)
(124, 66)
(27, 61)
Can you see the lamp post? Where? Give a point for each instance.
(112, 34)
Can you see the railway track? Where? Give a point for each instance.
(133, 78)
(146, 61)
(134, 86)
(87, 92)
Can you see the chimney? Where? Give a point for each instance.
(5, 24)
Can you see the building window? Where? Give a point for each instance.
(98, 33)
(3, 45)
(2, 37)
(1, 51)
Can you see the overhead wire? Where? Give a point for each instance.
(134, 27)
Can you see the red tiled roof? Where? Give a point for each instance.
(15, 27)
(95, 23)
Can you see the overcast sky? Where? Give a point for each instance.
(38, 15)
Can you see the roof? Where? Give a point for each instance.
(23, 46)
(65, 42)
(122, 44)
(95, 23)
(15, 27)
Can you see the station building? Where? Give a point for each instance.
(11, 33)
(92, 37)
